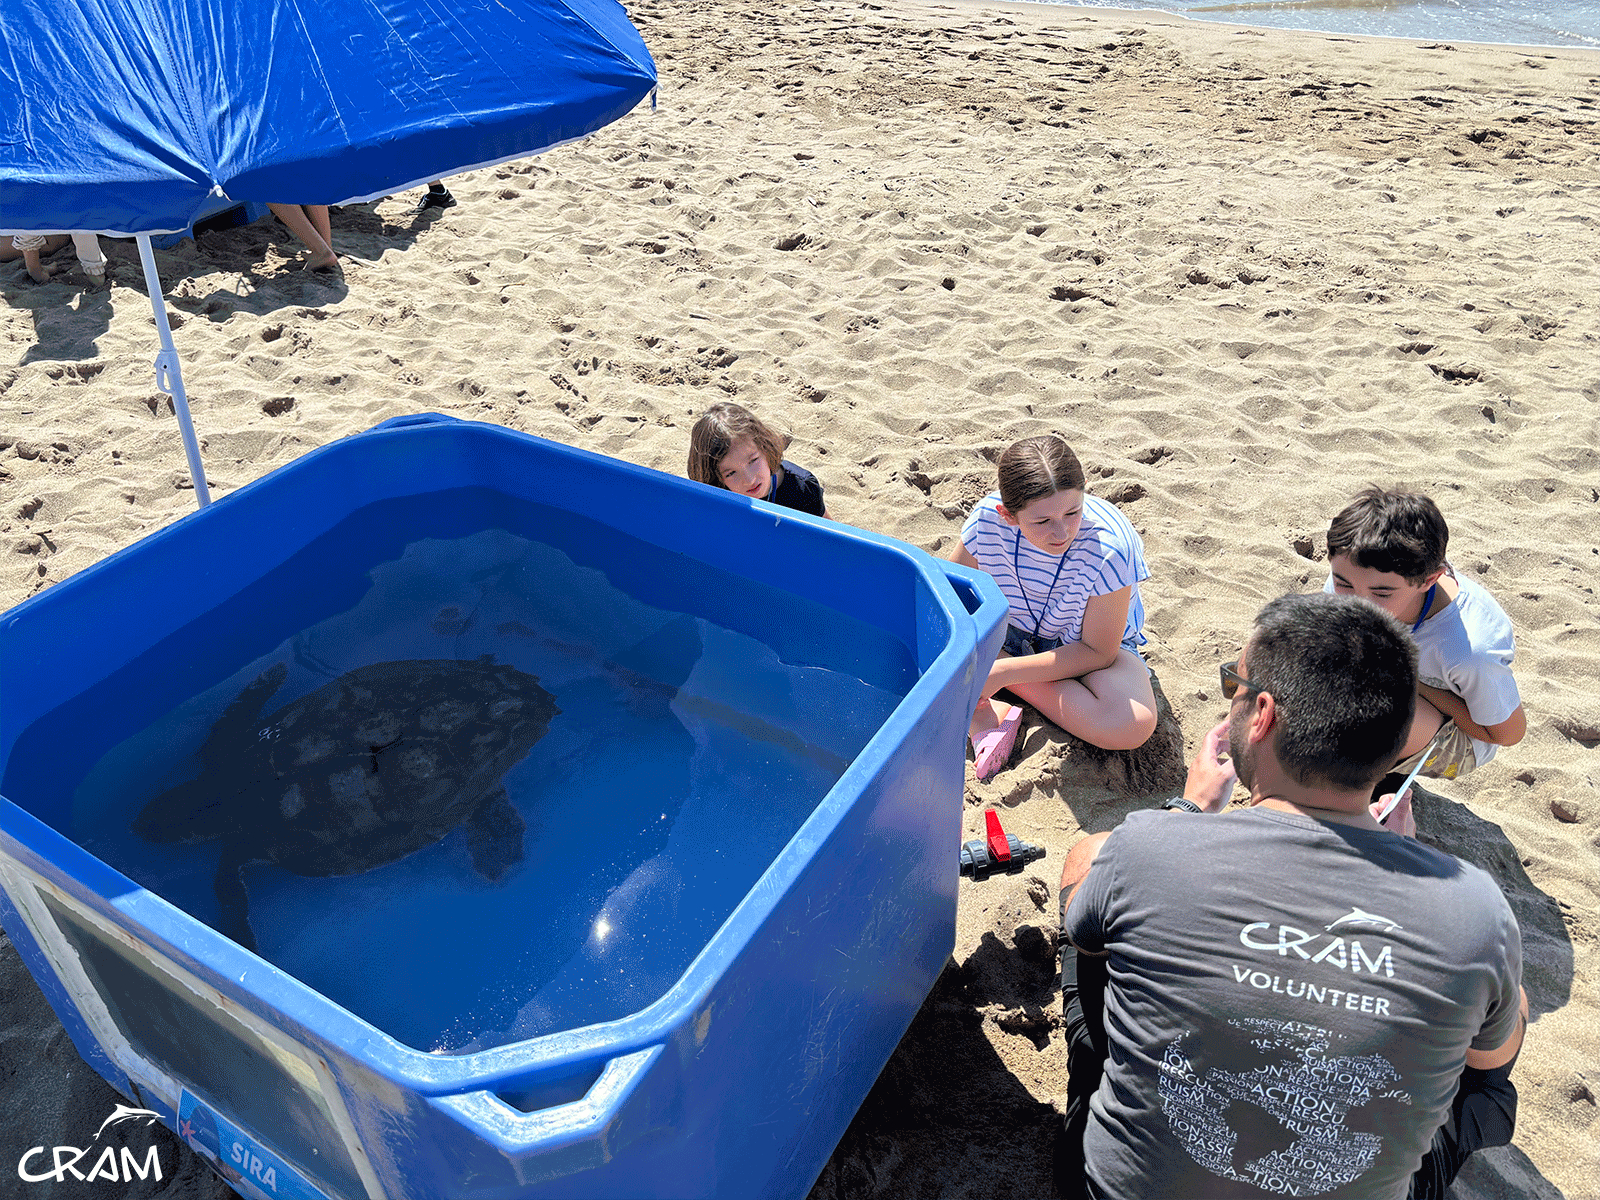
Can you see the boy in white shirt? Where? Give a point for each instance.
(1388, 546)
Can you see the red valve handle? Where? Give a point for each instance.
(999, 843)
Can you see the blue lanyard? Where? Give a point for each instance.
(1044, 609)
(1421, 617)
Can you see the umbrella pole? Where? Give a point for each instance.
(169, 375)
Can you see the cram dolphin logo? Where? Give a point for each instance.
(1358, 919)
(123, 1113)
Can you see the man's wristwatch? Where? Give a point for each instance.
(1182, 804)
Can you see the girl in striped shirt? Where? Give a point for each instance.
(1070, 565)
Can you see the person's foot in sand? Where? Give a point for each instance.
(37, 248)
(310, 223)
(34, 261)
(34, 248)
(437, 196)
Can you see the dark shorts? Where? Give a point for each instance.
(1483, 1114)
(1020, 642)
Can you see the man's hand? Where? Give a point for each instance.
(1401, 820)
(1211, 773)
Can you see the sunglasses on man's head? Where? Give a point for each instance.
(1232, 681)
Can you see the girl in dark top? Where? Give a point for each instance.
(733, 448)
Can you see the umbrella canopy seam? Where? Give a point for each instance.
(161, 33)
(648, 66)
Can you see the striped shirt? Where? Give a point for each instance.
(1105, 556)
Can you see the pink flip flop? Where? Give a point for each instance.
(992, 750)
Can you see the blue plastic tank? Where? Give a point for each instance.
(695, 901)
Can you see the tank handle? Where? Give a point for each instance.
(986, 604)
(966, 593)
(576, 1136)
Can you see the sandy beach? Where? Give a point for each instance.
(1245, 273)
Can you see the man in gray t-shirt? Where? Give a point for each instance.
(1293, 990)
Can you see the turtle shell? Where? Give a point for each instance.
(388, 759)
(377, 764)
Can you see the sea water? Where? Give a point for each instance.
(1570, 23)
(687, 752)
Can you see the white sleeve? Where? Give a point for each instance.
(1487, 686)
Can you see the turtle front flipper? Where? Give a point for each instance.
(232, 898)
(494, 836)
(236, 727)
(207, 807)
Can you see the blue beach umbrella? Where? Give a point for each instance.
(136, 117)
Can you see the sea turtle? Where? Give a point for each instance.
(363, 771)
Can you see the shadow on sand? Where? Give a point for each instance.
(946, 1118)
(1547, 956)
(69, 318)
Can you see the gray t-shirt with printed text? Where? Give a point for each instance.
(1290, 1002)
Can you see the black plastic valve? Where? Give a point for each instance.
(999, 851)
